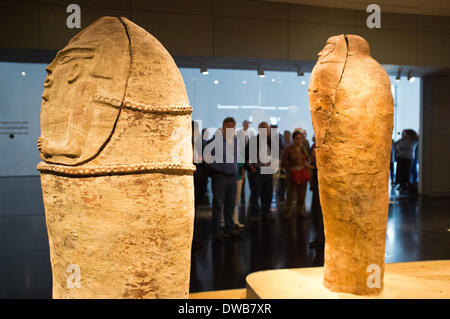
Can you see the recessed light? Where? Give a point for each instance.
(216, 82)
(203, 70)
(23, 73)
(261, 73)
(303, 82)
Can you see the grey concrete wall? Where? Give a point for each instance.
(234, 28)
(435, 135)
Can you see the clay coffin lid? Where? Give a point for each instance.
(111, 64)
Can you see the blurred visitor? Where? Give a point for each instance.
(415, 161)
(261, 183)
(392, 163)
(281, 147)
(223, 179)
(316, 209)
(202, 170)
(287, 138)
(296, 163)
(197, 160)
(244, 134)
(404, 150)
(239, 182)
(281, 192)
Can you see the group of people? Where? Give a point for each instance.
(284, 166)
(406, 153)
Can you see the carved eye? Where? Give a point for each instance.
(65, 59)
(329, 47)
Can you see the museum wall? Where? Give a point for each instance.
(20, 92)
(235, 28)
(435, 168)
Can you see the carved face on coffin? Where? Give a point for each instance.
(324, 81)
(335, 50)
(83, 93)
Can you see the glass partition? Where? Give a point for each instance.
(278, 98)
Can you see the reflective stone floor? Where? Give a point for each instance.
(418, 229)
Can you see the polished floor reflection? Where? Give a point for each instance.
(418, 229)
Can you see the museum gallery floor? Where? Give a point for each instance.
(417, 231)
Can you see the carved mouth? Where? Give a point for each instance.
(45, 94)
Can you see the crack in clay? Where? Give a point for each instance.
(126, 87)
(333, 95)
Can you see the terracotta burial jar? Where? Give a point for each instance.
(352, 112)
(117, 166)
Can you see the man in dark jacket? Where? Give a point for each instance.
(221, 154)
(258, 162)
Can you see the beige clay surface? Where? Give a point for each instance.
(117, 172)
(413, 280)
(352, 112)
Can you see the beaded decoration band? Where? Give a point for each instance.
(144, 108)
(113, 170)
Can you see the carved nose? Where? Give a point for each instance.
(47, 84)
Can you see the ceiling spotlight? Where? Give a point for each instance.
(261, 73)
(23, 73)
(299, 72)
(203, 70)
(273, 80)
(216, 82)
(303, 82)
(411, 78)
(397, 78)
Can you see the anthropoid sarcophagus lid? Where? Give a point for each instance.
(352, 112)
(117, 166)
